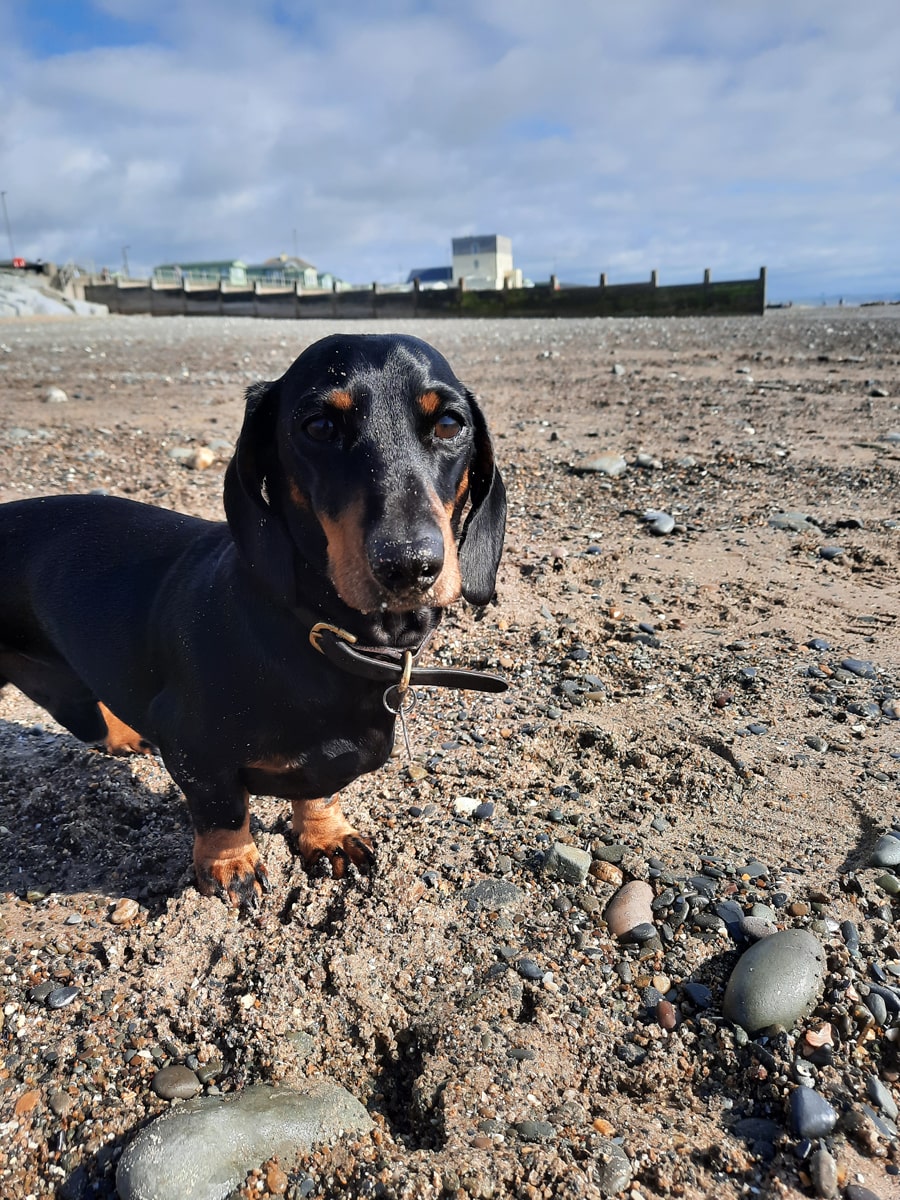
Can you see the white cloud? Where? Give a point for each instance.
(664, 133)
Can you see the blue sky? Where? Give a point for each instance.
(599, 135)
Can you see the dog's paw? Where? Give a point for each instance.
(323, 833)
(120, 738)
(237, 876)
(352, 848)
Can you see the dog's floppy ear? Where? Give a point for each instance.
(261, 537)
(481, 541)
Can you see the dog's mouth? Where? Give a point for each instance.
(374, 599)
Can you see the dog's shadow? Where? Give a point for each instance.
(75, 820)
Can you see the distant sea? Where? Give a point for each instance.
(829, 299)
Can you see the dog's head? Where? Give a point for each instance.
(369, 461)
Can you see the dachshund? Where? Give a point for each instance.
(270, 653)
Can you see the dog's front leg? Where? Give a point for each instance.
(227, 864)
(226, 861)
(322, 831)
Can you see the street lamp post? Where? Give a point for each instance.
(12, 252)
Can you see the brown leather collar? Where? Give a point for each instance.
(394, 667)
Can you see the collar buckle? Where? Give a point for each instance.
(321, 627)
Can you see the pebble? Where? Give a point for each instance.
(859, 666)
(699, 994)
(203, 457)
(484, 811)
(776, 981)
(886, 852)
(755, 928)
(877, 1007)
(793, 522)
(611, 465)
(855, 1191)
(465, 806)
(811, 1114)
(61, 1103)
(535, 1131)
(629, 908)
(205, 1147)
(55, 395)
(666, 1015)
(62, 996)
(824, 1174)
(492, 894)
(529, 969)
(830, 553)
(568, 863)
(879, 1094)
(175, 1083)
(126, 910)
(661, 523)
(611, 1168)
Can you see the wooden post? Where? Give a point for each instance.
(654, 279)
(707, 276)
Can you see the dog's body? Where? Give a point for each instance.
(141, 628)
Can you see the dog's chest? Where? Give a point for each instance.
(308, 753)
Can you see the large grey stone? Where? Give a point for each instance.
(203, 1148)
(776, 981)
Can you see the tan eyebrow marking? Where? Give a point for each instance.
(341, 400)
(429, 402)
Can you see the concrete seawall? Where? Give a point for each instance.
(739, 296)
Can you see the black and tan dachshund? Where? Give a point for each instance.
(269, 654)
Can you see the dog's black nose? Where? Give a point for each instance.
(407, 564)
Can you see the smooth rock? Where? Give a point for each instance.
(662, 524)
(793, 522)
(529, 969)
(879, 1094)
(859, 666)
(754, 928)
(205, 1147)
(877, 1007)
(776, 981)
(886, 852)
(855, 1191)
(629, 908)
(175, 1083)
(55, 395)
(611, 1169)
(62, 996)
(568, 863)
(606, 464)
(535, 1131)
(811, 1114)
(824, 1174)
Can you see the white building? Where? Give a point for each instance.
(485, 262)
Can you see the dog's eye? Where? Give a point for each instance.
(320, 429)
(447, 426)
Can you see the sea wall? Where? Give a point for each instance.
(729, 297)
